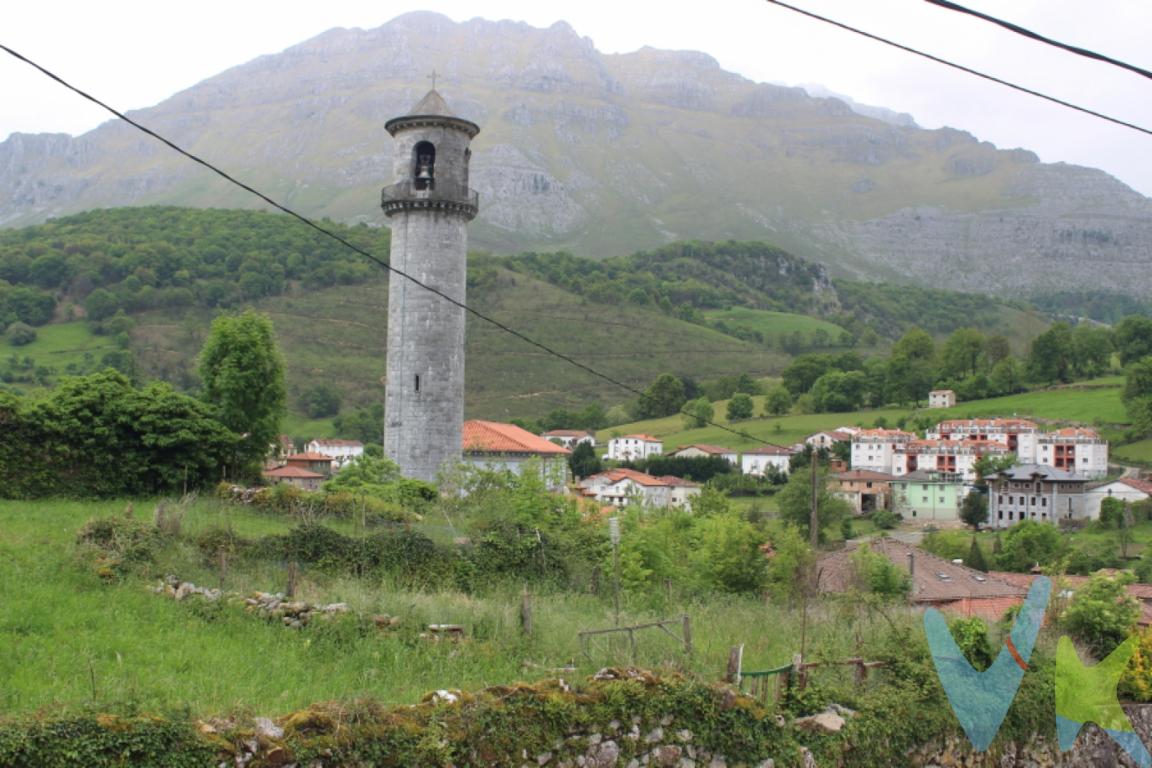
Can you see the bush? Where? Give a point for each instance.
(885, 519)
(20, 334)
(117, 546)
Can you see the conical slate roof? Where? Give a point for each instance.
(432, 109)
(432, 104)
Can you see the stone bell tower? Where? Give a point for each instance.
(430, 205)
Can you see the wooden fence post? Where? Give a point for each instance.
(293, 575)
(687, 630)
(735, 662)
(526, 612)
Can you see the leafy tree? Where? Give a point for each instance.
(1133, 338)
(878, 575)
(911, 367)
(19, 334)
(839, 391)
(365, 424)
(664, 397)
(243, 378)
(777, 401)
(320, 400)
(1030, 543)
(698, 412)
(1092, 348)
(974, 511)
(740, 407)
(1007, 377)
(975, 558)
(99, 436)
(727, 554)
(963, 353)
(1050, 356)
(803, 371)
(583, 461)
(790, 562)
(1102, 614)
(1137, 395)
(795, 503)
(996, 348)
(971, 636)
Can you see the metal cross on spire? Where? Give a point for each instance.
(433, 77)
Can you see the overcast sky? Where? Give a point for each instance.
(133, 54)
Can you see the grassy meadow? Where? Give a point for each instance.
(73, 641)
(1095, 402)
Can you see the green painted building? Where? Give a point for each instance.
(929, 496)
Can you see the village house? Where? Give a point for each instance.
(825, 440)
(1126, 489)
(493, 445)
(941, 398)
(756, 461)
(620, 487)
(865, 490)
(294, 475)
(1075, 449)
(1017, 435)
(929, 496)
(339, 451)
(313, 462)
(634, 447)
(1035, 492)
(570, 438)
(875, 449)
(936, 582)
(954, 457)
(698, 451)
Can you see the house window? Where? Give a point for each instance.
(1044, 502)
(1033, 501)
(941, 499)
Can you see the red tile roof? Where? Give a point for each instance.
(648, 438)
(715, 450)
(885, 434)
(335, 443)
(863, 474)
(1137, 483)
(567, 433)
(290, 471)
(949, 424)
(308, 456)
(495, 437)
(769, 450)
(677, 482)
(934, 579)
(614, 476)
(1074, 432)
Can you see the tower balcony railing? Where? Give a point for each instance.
(444, 191)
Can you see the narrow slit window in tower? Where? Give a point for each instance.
(417, 382)
(424, 177)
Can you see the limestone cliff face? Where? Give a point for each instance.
(606, 154)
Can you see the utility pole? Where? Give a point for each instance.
(814, 513)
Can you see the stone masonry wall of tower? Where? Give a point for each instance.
(424, 396)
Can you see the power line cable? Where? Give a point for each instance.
(1085, 52)
(329, 233)
(961, 67)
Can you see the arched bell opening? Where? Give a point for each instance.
(424, 166)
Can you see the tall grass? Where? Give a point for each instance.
(72, 641)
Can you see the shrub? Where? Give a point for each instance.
(118, 545)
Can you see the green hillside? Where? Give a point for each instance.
(151, 279)
(1095, 402)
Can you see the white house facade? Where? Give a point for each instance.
(875, 449)
(634, 447)
(757, 460)
(340, 451)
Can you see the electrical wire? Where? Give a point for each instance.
(385, 265)
(1085, 52)
(960, 67)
